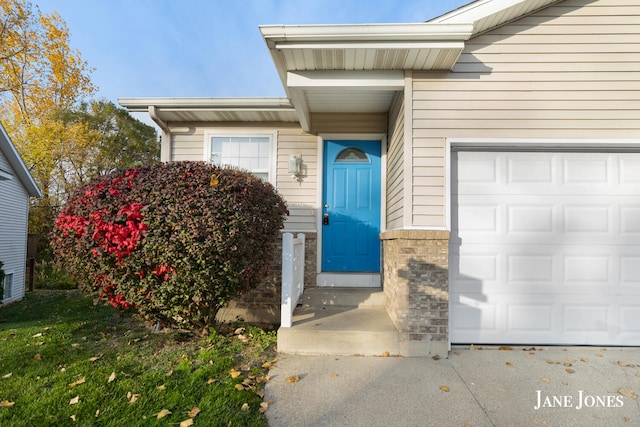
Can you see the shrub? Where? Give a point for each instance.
(176, 241)
(49, 275)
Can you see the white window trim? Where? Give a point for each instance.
(273, 142)
(4, 283)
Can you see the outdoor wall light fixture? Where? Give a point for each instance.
(295, 166)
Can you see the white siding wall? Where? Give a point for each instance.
(14, 205)
(569, 71)
(395, 164)
(188, 144)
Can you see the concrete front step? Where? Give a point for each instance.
(343, 297)
(339, 330)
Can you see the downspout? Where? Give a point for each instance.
(165, 141)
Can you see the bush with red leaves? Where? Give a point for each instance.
(176, 241)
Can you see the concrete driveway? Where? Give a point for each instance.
(485, 386)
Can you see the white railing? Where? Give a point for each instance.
(292, 276)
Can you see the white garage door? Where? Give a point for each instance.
(545, 248)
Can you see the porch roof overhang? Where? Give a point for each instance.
(166, 110)
(357, 68)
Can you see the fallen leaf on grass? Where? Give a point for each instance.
(245, 407)
(133, 398)
(74, 400)
(161, 387)
(73, 418)
(93, 359)
(293, 379)
(163, 414)
(8, 375)
(112, 377)
(234, 373)
(628, 393)
(6, 404)
(186, 423)
(37, 357)
(77, 383)
(194, 412)
(212, 380)
(239, 387)
(37, 335)
(168, 374)
(263, 407)
(444, 388)
(38, 343)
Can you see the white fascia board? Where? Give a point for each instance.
(366, 32)
(482, 9)
(371, 45)
(373, 80)
(16, 162)
(142, 104)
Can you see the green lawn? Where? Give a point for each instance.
(66, 362)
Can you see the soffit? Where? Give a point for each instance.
(168, 110)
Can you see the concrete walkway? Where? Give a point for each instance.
(576, 386)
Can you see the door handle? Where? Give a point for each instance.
(325, 219)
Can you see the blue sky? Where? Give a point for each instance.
(205, 48)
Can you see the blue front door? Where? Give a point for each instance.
(351, 206)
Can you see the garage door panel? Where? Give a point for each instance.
(545, 248)
(542, 319)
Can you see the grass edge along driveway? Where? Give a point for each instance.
(66, 362)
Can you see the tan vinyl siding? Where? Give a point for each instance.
(395, 164)
(348, 122)
(300, 194)
(569, 71)
(188, 144)
(14, 205)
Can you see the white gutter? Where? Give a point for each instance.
(366, 32)
(142, 104)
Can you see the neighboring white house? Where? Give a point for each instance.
(16, 187)
(495, 156)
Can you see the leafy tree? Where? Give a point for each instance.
(109, 139)
(64, 140)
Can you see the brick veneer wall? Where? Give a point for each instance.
(416, 285)
(262, 304)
